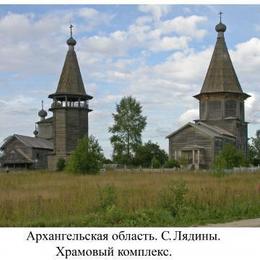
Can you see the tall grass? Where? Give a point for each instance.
(127, 199)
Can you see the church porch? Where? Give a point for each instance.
(191, 156)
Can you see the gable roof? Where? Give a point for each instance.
(33, 142)
(216, 129)
(16, 156)
(211, 131)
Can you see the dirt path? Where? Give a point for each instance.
(241, 223)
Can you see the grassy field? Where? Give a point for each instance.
(127, 199)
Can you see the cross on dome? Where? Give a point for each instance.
(220, 16)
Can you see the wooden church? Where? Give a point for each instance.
(221, 118)
(221, 113)
(55, 137)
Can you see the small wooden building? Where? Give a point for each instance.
(221, 113)
(198, 143)
(21, 151)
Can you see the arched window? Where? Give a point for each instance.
(230, 108)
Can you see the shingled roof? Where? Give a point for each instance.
(221, 75)
(71, 83)
(33, 142)
(212, 131)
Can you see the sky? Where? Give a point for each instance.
(157, 54)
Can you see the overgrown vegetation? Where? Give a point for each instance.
(150, 155)
(87, 158)
(115, 199)
(61, 163)
(229, 158)
(172, 164)
(254, 150)
(172, 198)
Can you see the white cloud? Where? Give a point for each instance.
(157, 11)
(92, 18)
(28, 36)
(187, 26)
(252, 109)
(248, 71)
(117, 63)
(188, 116)
(143, 34)
(18, 104)
(180, 67)
(18, 115)
(170, 43)
(111, 46)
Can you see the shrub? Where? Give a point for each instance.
(107, 161)
(61, 163)
(173, 197)
(155, 163)
(229, 158)
(87, 158)
(172, 164)
(145, 153)
(254, 150)
(107, 197)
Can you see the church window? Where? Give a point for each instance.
(218, 145)
(202, 109)
(214, 109)
(230, 108)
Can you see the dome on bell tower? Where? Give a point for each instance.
(71, 41)
(220, 27)
(42, 113)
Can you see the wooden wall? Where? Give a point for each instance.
(191, 136)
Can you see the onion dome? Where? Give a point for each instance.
(35, 132)
(42, 113)
(71, 41)
(220, 27)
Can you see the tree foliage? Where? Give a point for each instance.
(150, 155)
(172, 164)
(229, 158)
(61, 163)
(254, 150)
(127, 129)
(87, 158)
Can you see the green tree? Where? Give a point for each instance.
(87, 158)
(229, 158)
(254, 149)
(127, 129)
(155, 163)
(172, 164)
(148, 153)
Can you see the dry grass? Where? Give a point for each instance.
(59, 199)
